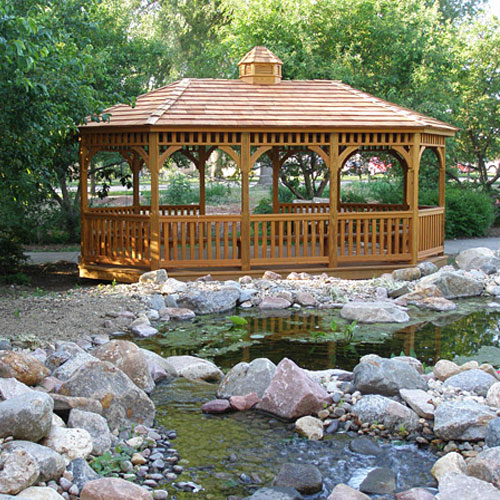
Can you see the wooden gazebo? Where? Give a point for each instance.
(255, 115)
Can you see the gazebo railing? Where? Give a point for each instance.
(431, 231)
(313, 207)
(146, 210)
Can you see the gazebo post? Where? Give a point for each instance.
(245, 201)
(413, 193)
(275, 158)
(84, 199)
(135, 165)
(154, 170)
(441, 153)
(334, 173)
(202, 159)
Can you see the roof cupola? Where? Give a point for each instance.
(260, 67)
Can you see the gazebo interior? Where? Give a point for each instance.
(256, 115)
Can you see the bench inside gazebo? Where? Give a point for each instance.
(255, 115)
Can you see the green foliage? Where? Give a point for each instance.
(179, 191)
(11, 254)
(238, 320)
(108, 464)
(217, 193)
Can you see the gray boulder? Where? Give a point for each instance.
(156, 277)
(50, 462)
(245, 378)
(276, 493)
(159, 368)
(455, 486)
(379, 481)
(462, 420)
(67, 359)
(18, 471)
(452, 284)
(210, 301)
(427, 268)
(10, 387)
(365, 446)
(193, 368)
(493, 433)
(122, 401)
(374, 312)
(486, 466)
(96, 426)
(28, 416)
(171, 285)
(476, 381)
(476, 258)
(82, 472)
(395, 416)
(304, 478)
(376, 375)
(407, 274)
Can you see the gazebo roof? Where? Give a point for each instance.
(219, 103)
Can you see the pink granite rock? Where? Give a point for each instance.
(216, 406)
(271, 275)
(415, 494)
(113, 489)
(292, 394)
(274, 303)
(242, 403)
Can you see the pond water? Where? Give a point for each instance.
(233, 454)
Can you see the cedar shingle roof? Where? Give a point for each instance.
(260, 55)
(325, 104)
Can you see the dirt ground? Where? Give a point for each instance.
(57, 305)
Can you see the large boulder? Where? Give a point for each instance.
(451, 462)
(380, 481)
(486, 466)
(304, 478)
(374, 312)
(376, 375)
(69, 443)
(419, 401)
(68, 403)
(493, 433)
(459, 486)
(476, 258)
(28, 416)
(82, 472)
(193, 368)
(452, 284)
(292, 394)
(22, 366)
(39, 493)
(10, 387)
(156, 277)
(71, 357)
(50, 462)
(476, 381)
(344, 492)
(18, 471)
(113, 489)
(172, 286)
(210, 301)
(462, 420)
(245, 378)
(159, 368)
(130, 359)
(122, 401)
(95, 425)
(445, 368)
(276, 493)
(395, 416)
(493, 395)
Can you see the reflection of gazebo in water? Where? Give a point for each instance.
(260, 114)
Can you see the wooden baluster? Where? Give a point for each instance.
(280, 238)
(350, 235)
(192, 239)
(217, 240)
(234, 240)
(209, 241)
(226, 239)
(366, 235)
(305, 238)
(397, 235)
(313, 238)
(359, 225)
(390, 236)
(382, 236)
(272, 242)
(183, 240)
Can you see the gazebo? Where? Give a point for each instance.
(246, 118)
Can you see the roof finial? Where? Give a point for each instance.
(260, 67)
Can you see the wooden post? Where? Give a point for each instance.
(405, 186)
(84, 200)
(202, 159)
(413, 193)
(275, 158)
(245, 201)
(136, 168)
(334, 169)
(154, 216)
(442, 176)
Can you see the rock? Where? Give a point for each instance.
(177, 313)
(243, 403)
(67, 403)
(193, 368)
(159, 368)
(113, 489)
(210, 301)
(28, 416)
(96, 426)
(436, 304)
(407, 274)
(10, 387)
(305, 299)
(419, 294)
(310, 427)
(51, 464)
(304, 478)
(21, 366)
(486, 466)
(459, 486)
(18, 471)
(344, 492)
(307, 397)
(493, 433)
(274, 303)
(444, 369)
(129, 359)
(418, 401)
(374, 312)
(475, 258)
(412, 362)
(271, 275)
(462, 420)
(427, 268)
(157, 302)
(39, 493)
(216, 406)
(82, 472)
(143, 330)
(276, 493)
(415, 494)
(386, 376)
(122, 401)
(393, 415)
(66, 369)
(379, 481)
(476, 381)
(365, 446)
(451, 462)
(69, 443)
(171, 285)
(156, 277)
(452, 284)
(245, 378)
(493, 395)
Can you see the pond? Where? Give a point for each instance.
(235, 454)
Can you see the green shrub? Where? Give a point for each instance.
(179, 191)
(11, 253)
(469, 212)
(265, 206)
(217, 193)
